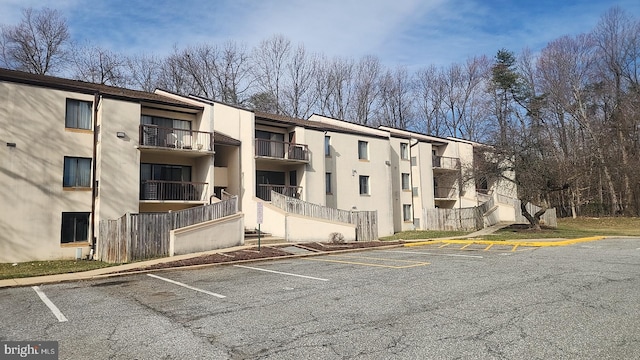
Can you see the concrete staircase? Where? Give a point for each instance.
(251, 238)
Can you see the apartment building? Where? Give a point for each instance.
(75, 153)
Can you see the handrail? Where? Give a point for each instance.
(186, 139)
(172, 190)
(282, 150)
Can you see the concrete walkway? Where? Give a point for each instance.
(108, 271)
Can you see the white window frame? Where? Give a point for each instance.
(406, 181)
(76, 172)
(366, 189)
(406, 212)
(363, 150)
(404, 151)
(78, 114)
(76, 219)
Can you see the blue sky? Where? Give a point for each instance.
(414, 33)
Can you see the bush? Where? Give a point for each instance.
(336, 238)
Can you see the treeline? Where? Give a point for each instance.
(566, 118)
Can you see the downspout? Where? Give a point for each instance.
(94, 184)
(413, 205)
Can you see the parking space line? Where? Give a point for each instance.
(514, 248)
(488, 247)
(187, 286)
(281, 273)
(54, 309)
(414, 263)
(464, 247)
(443, 245)
(430, 253)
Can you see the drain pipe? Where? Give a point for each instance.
(94, 184)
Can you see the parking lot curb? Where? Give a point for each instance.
(539, 243)
(114, 272)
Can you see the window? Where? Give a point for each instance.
(364, 185)
(77, 172)
(327, 177)
(404, 151)
(75, 227)
(78, 114)
(405, 181)
(327, 146)
(414, 161)
(363, 150)
(406, 212)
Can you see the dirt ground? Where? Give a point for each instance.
(268, 252)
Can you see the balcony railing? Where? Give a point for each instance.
(443, 162)
(156, 136)
(172, 190)
(282, 150)
(444, 192)
(264, 191)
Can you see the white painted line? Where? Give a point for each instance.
(429, 253)
(187, 286)
(54, 309)
(281, 273)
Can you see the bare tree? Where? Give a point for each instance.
(37, 44)
(98, 65)
(335, 88)
(231, 70)
(616, 40)
(430, 92)
(298, 95)
(367, 89)
(396, 99)
(269, 66)
(144, 72)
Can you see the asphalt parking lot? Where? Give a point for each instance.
(432, 301)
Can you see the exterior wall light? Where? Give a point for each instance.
(121, 134)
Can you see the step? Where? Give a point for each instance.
(264, 240)
(249, 233)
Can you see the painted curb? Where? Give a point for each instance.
(509, 242)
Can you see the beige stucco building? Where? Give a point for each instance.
(74, 153)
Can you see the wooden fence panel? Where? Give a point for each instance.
(366, 221)
(144, 236)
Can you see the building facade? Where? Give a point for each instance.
(74, 153)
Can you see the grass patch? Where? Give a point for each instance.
(623, 226)
(568, 228)
(40, 268)
(426, 234)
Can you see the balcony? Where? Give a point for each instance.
(264, 191)
(152, 136)
(282, 151)
(445, 163)
(445, 193)
(161, 190)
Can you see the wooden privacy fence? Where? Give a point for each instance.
(454, 219)
(548, 218)
(144, 236)
(486, 214)
(366, 221)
